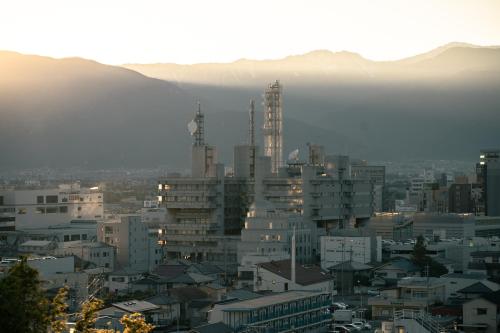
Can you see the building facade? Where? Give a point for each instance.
(42, 208)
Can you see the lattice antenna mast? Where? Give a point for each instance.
(251, 123)
(273, 125)
(199, 134)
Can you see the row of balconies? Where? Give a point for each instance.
(298, 323)
(289, 312)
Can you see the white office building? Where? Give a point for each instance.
(42, 208)
(339, 249)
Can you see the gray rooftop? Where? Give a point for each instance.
(135, 306)
(260, 302)
(472, 276)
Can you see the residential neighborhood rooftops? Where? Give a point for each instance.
(350, 266)
(471, 275)
(135, 306)
(401, 264)
(260, 302)
(476, 288)
(161, 300)
(304, 275)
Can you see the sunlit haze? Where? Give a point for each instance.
(188, 31)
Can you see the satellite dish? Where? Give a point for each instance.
(294, 155)
(192, 127)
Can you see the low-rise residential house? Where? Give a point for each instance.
(414, 293)
(208, 269)
(193, 303)
(475, 290)
(457, 281)
(276, 276)
(486, 261)
(150, 283)
(390, 272)
(109, 318)
(215, 290)
(347, 275)
(189, 279)
(120, 281)
(482, 314)
(171, 308)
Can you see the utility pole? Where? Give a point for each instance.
(427, 299)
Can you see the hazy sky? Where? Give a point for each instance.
(188, 31)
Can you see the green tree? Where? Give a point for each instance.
(419, 255)
(135, 323)
(23, 305)
(58, 311)
(422, 260)
(88, 316)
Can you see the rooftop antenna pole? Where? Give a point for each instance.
(251, 125)
(199, 134)
(293, 259)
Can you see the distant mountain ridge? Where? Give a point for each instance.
(75, 112)
(324, 65)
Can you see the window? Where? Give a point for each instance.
(481, 311)
(63, 209)
(51, 199)
(84, 236)
(66, 238)
(1, 200)
(51, 210)
(75, 237)
(39, 199)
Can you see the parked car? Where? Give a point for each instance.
(363, 325)
(337, 306)
(373, 292)
(344, 329)
(353, 328)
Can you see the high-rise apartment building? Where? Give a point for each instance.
(488, 178)
(136, 247)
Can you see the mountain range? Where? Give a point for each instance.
(444, 104)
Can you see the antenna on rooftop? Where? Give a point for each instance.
(251, 123)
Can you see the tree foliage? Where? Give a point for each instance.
(135, 323)
(88, 316)
(23, 305)
(58, 311)
(422, 260)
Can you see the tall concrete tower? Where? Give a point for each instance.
(273, 125)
